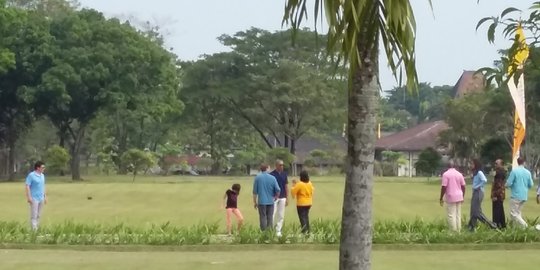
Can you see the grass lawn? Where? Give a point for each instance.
(185, 201)
(263, 259)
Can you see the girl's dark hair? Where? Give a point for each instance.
(304, 176)
(477, 166)
(236, 187)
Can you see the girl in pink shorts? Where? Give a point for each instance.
(231, 197)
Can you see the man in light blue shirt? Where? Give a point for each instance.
(519, 182)
(265, 191)
(35, 193)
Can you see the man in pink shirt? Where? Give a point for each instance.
(453, 191)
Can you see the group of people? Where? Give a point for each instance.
(519, 182)
(270, 197)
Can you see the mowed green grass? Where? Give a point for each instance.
(185, 201)
(263, 259)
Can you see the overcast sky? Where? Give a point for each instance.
(447, 42)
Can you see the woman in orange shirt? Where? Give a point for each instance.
(303, 192)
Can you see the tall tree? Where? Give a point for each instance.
(427, 104)
(466, 118)
(143, 113)
(284, 90)
(99, 62)
(355, 29)
(209, 115)
(74, 89)
(295, 99)
(392, 119)
(7, 62)
(29, 42)
(7, 17)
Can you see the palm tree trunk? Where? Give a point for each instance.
(356, 230)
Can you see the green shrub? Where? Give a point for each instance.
(56, 159)
(391, 162)
(279, 153)
(322, 232)
(429, 161)
(388, 168)
(335, 170)
(313, 171)
(106, 163)
(377, 168)
(244, 160)
(137, 160)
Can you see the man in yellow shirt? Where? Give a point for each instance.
(303, 192)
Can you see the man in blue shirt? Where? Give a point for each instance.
(265, 192)
(282, 201)
(35, 193)
(519, 182)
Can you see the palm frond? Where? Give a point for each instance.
(351, 21)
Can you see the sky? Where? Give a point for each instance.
(447, 42)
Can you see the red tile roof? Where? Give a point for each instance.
(416, 138)
(469, 82)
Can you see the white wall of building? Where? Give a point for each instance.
(408, 169)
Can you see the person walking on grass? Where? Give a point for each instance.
(35, 193)
(265, 191)
(498, 194)
(282, 201)
(231, 207)
(452, 192)
(303, 192)
(519, 181)
(478, 182)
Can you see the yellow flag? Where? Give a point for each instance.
(522, 51)
(517, 91)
